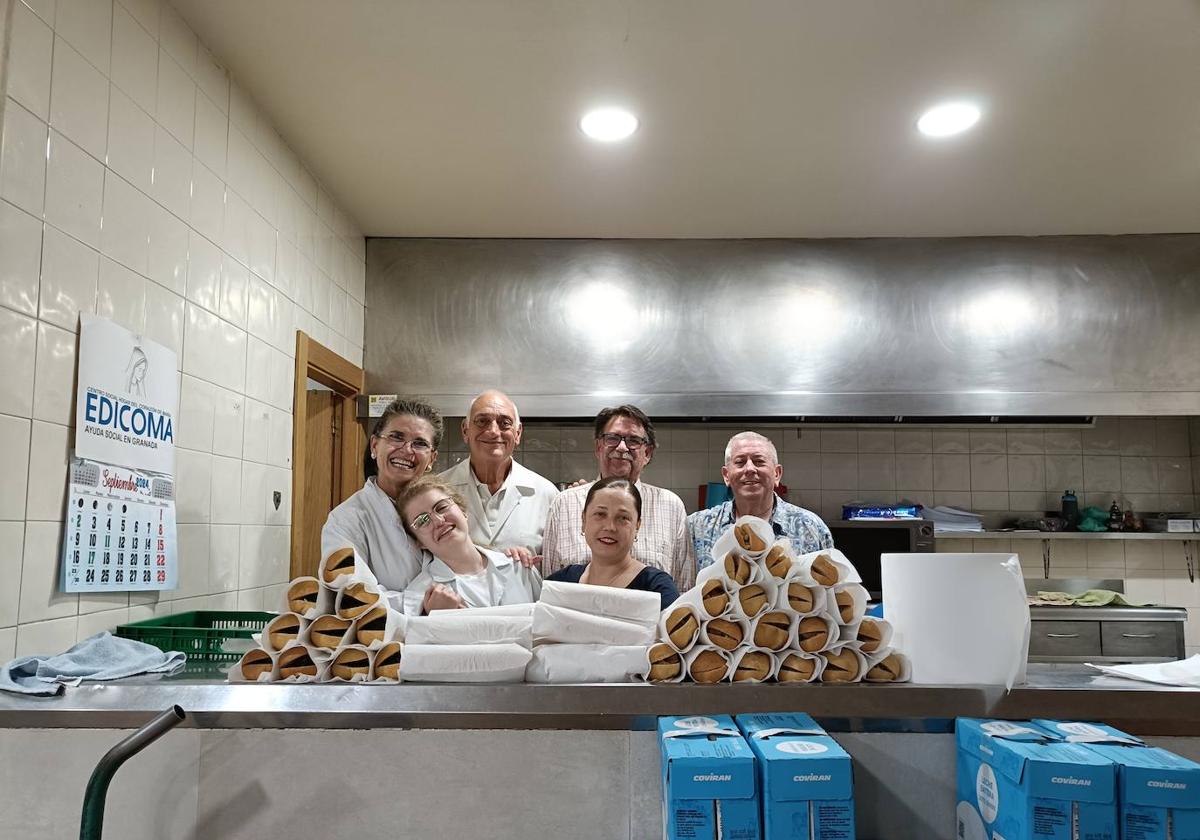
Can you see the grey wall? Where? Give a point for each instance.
(1049, 325)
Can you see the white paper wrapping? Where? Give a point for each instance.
(1184, 672)
(831, 628)
(317, 655)
(361, 572)
(394, 624)
(815, 658)
(307, 636)
(690, 657)
(464, 663)
(327, 674)
(696, 612)
(682, 667)
(561, 625)
(741, 623)
(344, 603)
(857, 593)
(324, 603)
(236, 675)
(885, 634)
(959, 618)
(874, 659)
(626, 604)
(852, 648)
(725, 544)
(770, 587)
(790, 639)
(467, 627)
(762, 530)
(381, 653)
(821, 596)
(785, 544)
(276, 624)
(738, 654)
(587, 663)
(695, 596)
(846, 571)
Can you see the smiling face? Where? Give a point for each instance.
(610, 522)
(751, 472)
(403, 451)
(436, 521)
(493, 429)
(623, 460)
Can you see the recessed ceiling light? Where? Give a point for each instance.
(608, 124)
(948, 118)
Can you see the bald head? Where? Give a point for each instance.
(492, 429)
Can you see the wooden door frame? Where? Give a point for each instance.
(316, 361)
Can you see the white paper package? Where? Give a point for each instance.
(690, 657)
(803, 564)
(337, 629)
(670, 612)
(468, 627)
(832, 630)
(725, 544)
(772, 619)
(782, 661)
(357, 597)
(739, 599)
(626, 604)
(377, 626)
(738, 654)
(464, 663)
(821, 598)
(561, 625)
(298, 651)
(883, 628)
(858, 602)
(587, 663)
(742, 624)
(842, 649)
(320, 604)
(340, 656)
(695, 596)
(236, 674)
(336, 579)
(677, 657)
(875, 658)
(277, 630)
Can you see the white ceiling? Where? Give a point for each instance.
(759, 119)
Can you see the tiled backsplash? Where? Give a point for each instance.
(1145, 463)
(139, 183)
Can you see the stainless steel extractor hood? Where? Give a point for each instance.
(869, 328)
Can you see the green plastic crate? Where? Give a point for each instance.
(200, 634)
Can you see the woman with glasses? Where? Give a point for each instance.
(612, 515)
(402, 448)
(461, 574)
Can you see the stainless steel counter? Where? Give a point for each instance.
(1068, 691)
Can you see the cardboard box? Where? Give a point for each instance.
(710, 788)
(805, 778)
(1158, 792)
(1017, 781)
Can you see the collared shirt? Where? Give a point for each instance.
(514, 516)
(368, 523)
(803, 527)
(662, 541)
(505, 583)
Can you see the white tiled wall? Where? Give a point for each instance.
(138, 182)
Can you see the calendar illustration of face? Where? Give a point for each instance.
(120, 530)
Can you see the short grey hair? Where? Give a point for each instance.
(751, 436)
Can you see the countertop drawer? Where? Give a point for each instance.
(1142, 638)
(1064, 638)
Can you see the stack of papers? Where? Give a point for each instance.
(948, 520)
(1184, 672)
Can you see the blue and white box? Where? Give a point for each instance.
(805, 777)
(1158, 792)
(1017, 781)
(710, 789)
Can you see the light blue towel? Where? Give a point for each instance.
(100, 657)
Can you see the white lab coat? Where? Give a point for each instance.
(515, 584)
(368, 523)
(523, 512)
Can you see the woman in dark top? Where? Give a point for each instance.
(612, 515)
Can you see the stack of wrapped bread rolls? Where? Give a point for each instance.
(759, 613)
(335, 627)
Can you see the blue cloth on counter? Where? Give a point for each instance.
(100, 657)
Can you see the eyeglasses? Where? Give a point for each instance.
(419, 446)
(441, 510)
(484, 421)
(632, 442)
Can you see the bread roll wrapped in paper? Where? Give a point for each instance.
(328, 632)
(707, 664)
(256, 665)
(468, 627)
(679, 624)
(349, 663)
(299, 662)
(753, 599)
(587, 663)
(888, 666)
(774, 630)
(850, 602)
(342, 567)
(778, 562)
(844, 664)
(753, 536)
(750, 665)
(726, 633)
(385, 662)
(566, 626)
(714, 597)
(873, 635)
(802, 598)
(464, 663)
(282, 629)
(309, 598)
(827, 567)
(794, 667)
(379, 625)
(626, 604)
(356, 598)
(815, 633)
(664, 664)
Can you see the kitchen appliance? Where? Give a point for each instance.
(863, 542)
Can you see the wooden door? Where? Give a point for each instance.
(321, 470)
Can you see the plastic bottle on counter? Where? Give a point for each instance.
(1070, 510)
(1115, 518)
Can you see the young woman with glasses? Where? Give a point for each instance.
(461, 574)
(403, 447)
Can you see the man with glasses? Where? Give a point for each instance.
(507, 504)
(624, 446)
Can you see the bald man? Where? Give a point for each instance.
(507, 504)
